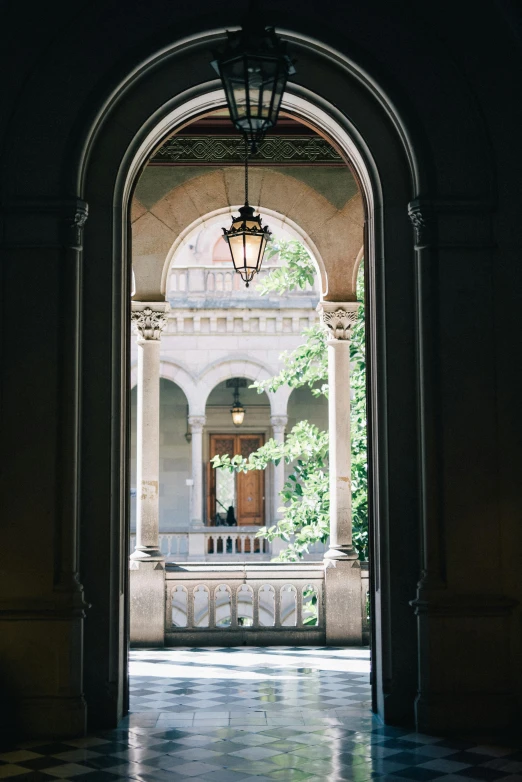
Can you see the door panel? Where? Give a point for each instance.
(249, 487)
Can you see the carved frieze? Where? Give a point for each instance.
(230, 150)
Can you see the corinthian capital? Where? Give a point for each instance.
(339, 317)
(197, 422)
(279, 421)
(149, 320)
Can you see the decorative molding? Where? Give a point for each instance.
(453, 222)
(44, 223)
(339, 318)
(197, 422)
(279, 422)
(443, 604)
(421, 218)
(257, 322)
(149, 323)
(230, 150)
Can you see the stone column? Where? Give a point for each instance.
(147, 576)
(196, 536)
(342, 569)
(279, 423)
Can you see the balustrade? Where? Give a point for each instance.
(234, 543)
(173, 545)
(216, 280)
(221, 544)
(261, 603)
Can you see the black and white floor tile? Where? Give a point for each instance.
(256, 715)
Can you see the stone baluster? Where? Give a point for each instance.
(147, 562)
(342, 569)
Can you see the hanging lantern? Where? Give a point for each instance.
(237, 410)
(246, 237)
(247, 240)
(254, 68)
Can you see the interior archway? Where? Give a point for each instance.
(383, 168)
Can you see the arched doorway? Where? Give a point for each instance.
(388, 241)
(428, 337)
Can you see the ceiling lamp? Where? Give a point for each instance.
(237, 409)
(254, 68)
(246, 237)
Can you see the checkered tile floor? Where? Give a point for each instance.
(256, 715)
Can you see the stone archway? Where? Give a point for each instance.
(334, 233)
(397, 240)
(401, 142)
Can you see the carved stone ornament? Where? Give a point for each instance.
(230, 150)
(197, 422)
(149, 323)
(279, 421)
(339, 319)
(421, 218)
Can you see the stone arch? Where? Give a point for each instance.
(336, 234)
(388, 170)
(177, 374)
(356, 267)
(399, 144)
(218, 215)
(235, 366)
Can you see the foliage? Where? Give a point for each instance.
(306, 492)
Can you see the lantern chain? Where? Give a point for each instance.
(246, 168)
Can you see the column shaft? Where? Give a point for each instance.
(147, 505)
(279, 423)
(196, 512)
(339, 449)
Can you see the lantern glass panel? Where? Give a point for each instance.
(238, 415)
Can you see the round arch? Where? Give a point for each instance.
(227, 368)
(216, 215)
(398, 156)
(384, 164)
(176, 374)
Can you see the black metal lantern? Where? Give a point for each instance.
(247, 237)
(254, 68)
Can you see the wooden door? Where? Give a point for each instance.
(250, 485)
(249, 500)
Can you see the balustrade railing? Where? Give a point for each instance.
(215, 280)
(258, 603)
(173, 545)
(219, 543)
(234, 542)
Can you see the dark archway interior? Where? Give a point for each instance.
(435, 126)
